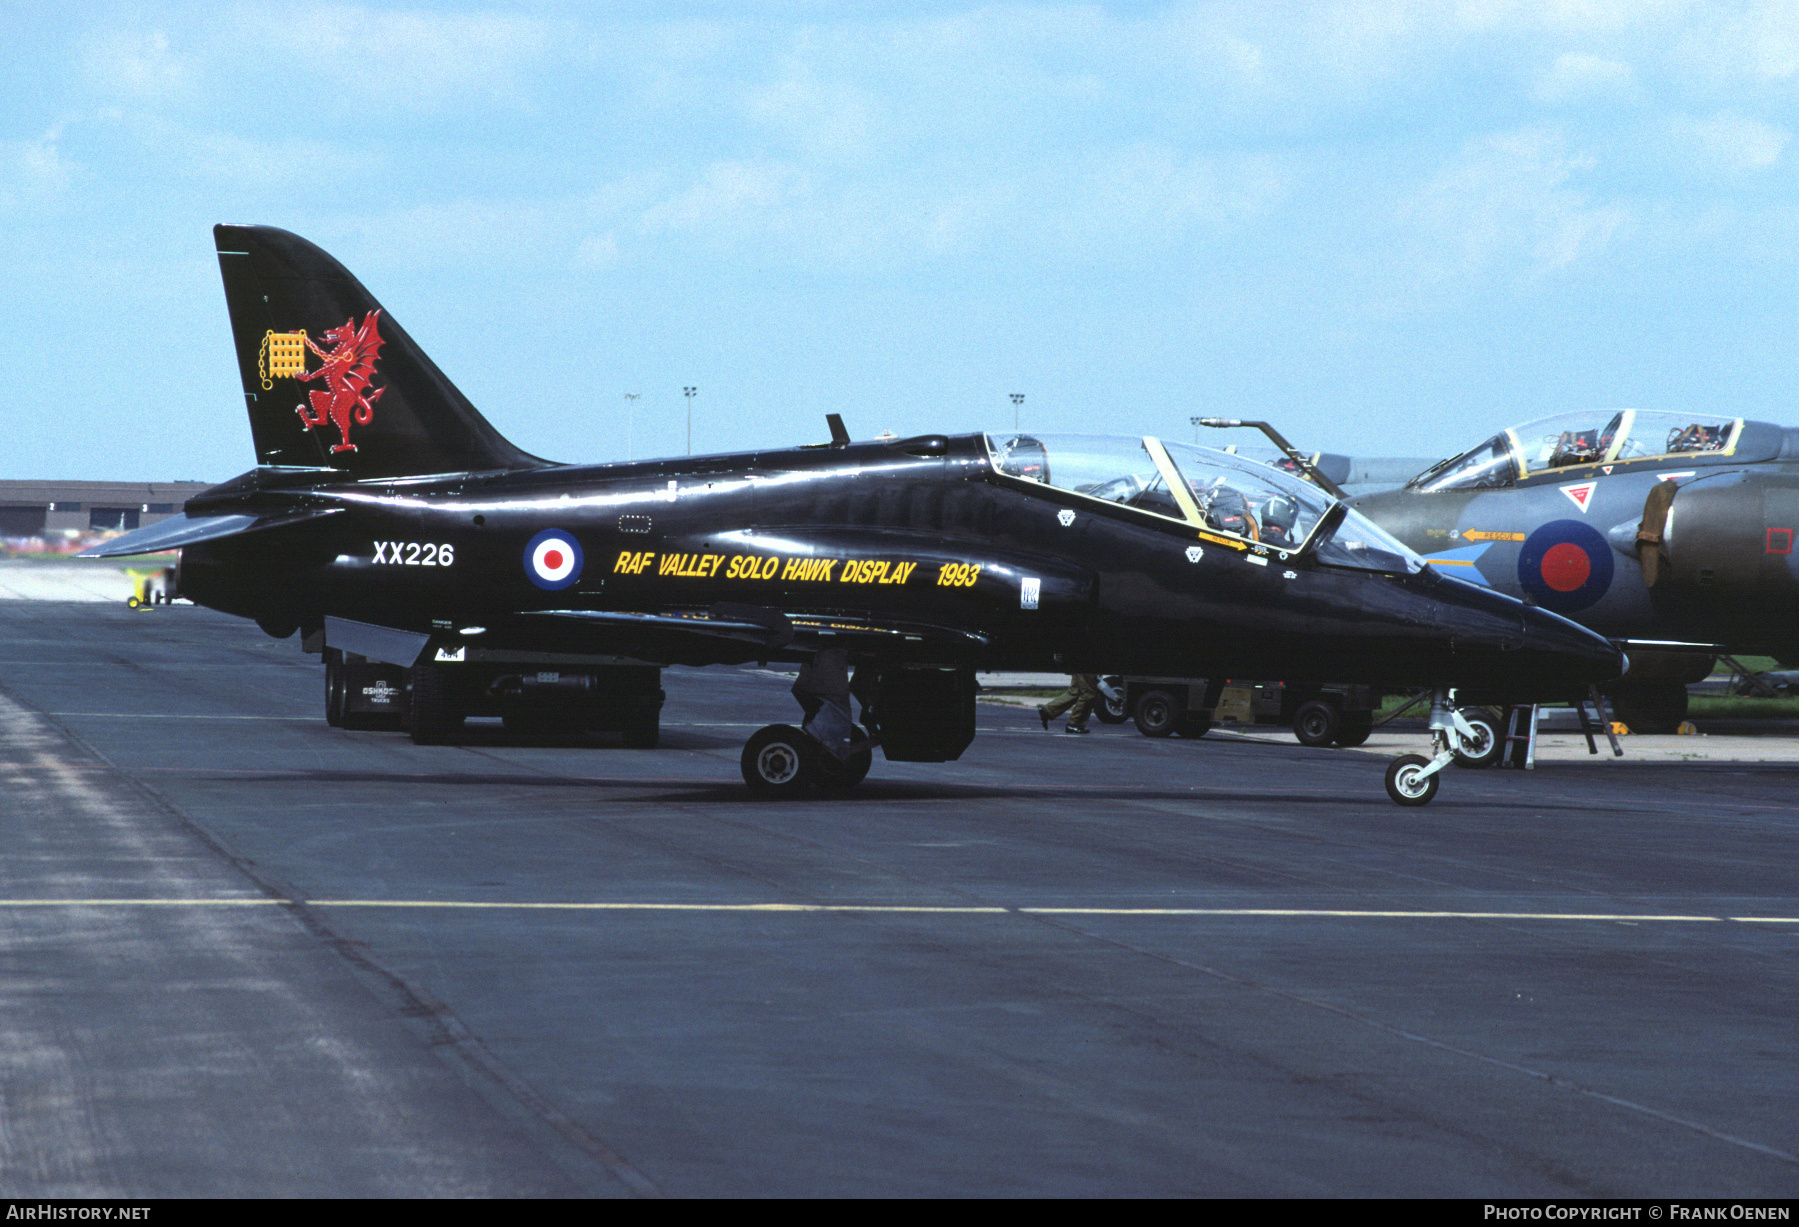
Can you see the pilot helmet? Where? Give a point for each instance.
(1281, 512)
(1024, 456)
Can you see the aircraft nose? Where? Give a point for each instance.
(1586, 656)
(1522, 650)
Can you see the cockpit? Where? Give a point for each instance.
(1200, 488)
(1568, 440)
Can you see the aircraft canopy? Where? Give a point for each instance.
(1587, 438)
(1205, 489)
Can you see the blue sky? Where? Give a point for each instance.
(1389, 227)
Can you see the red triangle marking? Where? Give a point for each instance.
(1580, 495)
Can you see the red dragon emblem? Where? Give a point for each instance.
(346, 370)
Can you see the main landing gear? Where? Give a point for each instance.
(829, 750)
(783, 761)
(1468, 738)
(916, 713)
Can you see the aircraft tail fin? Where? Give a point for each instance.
(331, 380)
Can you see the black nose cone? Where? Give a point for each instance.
(1520, 651)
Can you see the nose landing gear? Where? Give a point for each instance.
(1412, 779)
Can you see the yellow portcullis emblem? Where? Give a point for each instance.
(283, 355)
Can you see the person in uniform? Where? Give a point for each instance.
(1077, 701)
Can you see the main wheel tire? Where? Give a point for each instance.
(1485, 747)
(337, 691)
(1317, 722)
(843, 773)
(432, 717)
(1355, 729)
(778, 761)
(1156, 713)
(1407, 784)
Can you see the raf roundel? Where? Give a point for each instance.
(553, 559)
(1565, 566)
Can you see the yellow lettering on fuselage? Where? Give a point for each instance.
(690, 566)
(752, 566)
(876, 571)
(762, 567)
(808, 570)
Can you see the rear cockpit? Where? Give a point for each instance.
(1253, 505)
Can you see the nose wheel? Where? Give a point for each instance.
(1410, 780)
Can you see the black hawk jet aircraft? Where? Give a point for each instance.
(1667, 533)
(386, 518)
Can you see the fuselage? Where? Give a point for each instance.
(1571, 537)
(915, 550)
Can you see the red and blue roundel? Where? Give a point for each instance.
(553, 559)
(1565, 566)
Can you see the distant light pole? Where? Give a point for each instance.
(1017, 400)
(1196, 422)
(690, 394)
(631, 423)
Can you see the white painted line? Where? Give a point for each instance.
(660, 907)
(1355, 914)
(261, 901)
(141, 715)
(912, 909)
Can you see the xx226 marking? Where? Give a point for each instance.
(414, 554)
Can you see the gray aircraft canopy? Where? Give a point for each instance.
(1599, 437)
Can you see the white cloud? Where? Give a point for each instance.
(537, 233)
(462, 232)
(1757, 42)
(270, 162)
(1099, 207)
(415, 60)
(732, 198)
(34, 173)
(1576, 76)
(1503, 206)
(137, 65)
(821, 116)
(1146, 196)
(1732, 141)
(598, 251)
(1566, 17)
(170, 152)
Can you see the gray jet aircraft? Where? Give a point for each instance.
(1672, 534)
